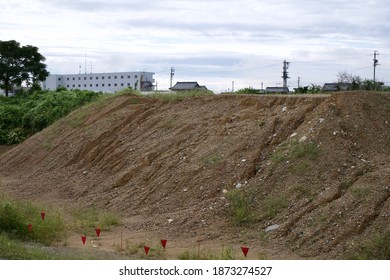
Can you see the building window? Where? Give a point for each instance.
(115, 77)
(136, 76)
(109, 85)
(79, 85)
(128, 84)
(122, 77)
(59, 79)
(103, 78)
(128, 76)
(73, 79)
(73, 86)
(97, 85)
(85, 78)
(90, 85)
(90, 78)
(121, 84)
(79, 78)
(109, 77)
(67, 86)
(67, 79)
(115, 85)
(97, 78)
(85, 85)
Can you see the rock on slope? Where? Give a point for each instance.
(316, 166)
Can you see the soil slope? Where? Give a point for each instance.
(317, 168)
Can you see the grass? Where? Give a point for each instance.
(240, 209)
(201, 254)
(360, 192)
(377, 248)
(169, 123)
(301, 189)
(15, 218)
(212, 159)
(247, 207)
(17, 250)
(273, 206)
(78, 119)
(296, 150)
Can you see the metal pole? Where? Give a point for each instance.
(375, 62)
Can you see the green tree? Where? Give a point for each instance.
(20, 65)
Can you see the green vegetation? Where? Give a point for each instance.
(15, 218)
(20, 65)
(378, 248)
(21, 222)
(87, 220)
(312, 89)
(212, 159)
(362, 193)
(201, 254)
(241, 210)
(249, 91)
(26, 114)
(16, 250)
(248, 206)
(296, 150)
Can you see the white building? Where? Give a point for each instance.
(105, 82)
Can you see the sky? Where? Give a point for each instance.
(213, 42)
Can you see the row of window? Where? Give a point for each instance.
(97, 85)
(97, 78)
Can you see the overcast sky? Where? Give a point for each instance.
(213, 42)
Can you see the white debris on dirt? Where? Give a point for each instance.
(302, 139)
(272, 228)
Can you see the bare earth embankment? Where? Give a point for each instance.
(220, 169)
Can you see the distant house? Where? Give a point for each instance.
(276, 90)
(336, 86)
(187, 86)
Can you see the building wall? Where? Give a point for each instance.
(106, 82)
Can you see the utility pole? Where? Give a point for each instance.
(232, 86)
(375, 62)
(285, 73)
(172, 74)
(299, 82)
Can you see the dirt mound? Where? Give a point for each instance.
(317, 167)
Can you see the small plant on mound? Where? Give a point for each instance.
(296, 150)
(212, 159)
(273, 205)
(240, 207)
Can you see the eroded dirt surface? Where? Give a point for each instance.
(316, 166)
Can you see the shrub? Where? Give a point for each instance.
(27, 114)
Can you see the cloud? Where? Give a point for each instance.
(212, 40)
